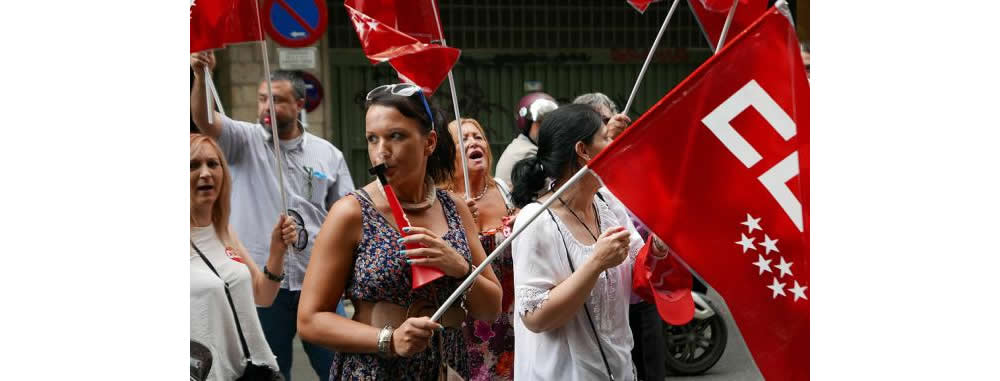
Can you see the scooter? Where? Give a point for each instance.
(695, 347)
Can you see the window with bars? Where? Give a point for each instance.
(546, 24)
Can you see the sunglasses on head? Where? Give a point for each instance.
(403, 90)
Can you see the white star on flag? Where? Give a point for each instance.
(373, 24)
(763, 265)
(746, 242)
(752, 223)
(799, 291)
(770, 245)
(785, 267)
(778, 288)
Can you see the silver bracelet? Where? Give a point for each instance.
(465, 294)
(385, 341)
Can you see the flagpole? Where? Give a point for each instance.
(507, 242)
(208, 94)
(215, 95)
(649, 57)
(725, 28)
(454, 100)
(274, 119)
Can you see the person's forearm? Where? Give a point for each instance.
(565, 300)
(337, 332)
(199, 113)
(484, 299)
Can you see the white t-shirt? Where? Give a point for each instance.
(212, 322)
(570, 352)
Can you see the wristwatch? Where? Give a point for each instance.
(275, 278)
(385, 341)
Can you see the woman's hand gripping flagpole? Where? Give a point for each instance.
(507, 242)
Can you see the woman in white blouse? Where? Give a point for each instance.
(218, 261)
(573, 267)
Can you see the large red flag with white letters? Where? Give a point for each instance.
(718, 168)
(217, 23)
(416, 61)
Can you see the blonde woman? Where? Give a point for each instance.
(490, 343)
(226, 285)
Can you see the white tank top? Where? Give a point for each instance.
(212, 322)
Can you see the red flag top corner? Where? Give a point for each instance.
(217, 23)
(718, 168)
(413, 56)
(711, 16)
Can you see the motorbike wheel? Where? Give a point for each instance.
(695, 347)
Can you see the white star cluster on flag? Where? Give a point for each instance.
(768, 244)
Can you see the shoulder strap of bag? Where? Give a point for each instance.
(232, 307)
(505, 192)
(590, 320)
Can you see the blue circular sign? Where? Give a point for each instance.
(295, 23)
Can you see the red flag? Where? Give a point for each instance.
(718, 168)
(415, 18)
(641, 5)
(425, 65)
(217, 23)
(711, 15)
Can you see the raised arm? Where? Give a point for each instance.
(199, 113)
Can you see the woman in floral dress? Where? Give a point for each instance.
(490, 343)
(360, 251)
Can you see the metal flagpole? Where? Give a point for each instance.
(215, 95)
(507, 242)
(274, 119)
(208, 94)
(725, 28)
(454, 100)
(649, 57)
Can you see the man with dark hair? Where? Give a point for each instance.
(315, 176)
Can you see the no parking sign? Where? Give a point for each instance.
(314, 91)
(295, 23)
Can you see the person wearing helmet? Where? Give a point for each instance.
(528, 117)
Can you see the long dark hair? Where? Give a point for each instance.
(441, 163)
(557, 137)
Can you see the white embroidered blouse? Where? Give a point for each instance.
(570, 352)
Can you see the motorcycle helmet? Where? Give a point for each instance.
(531, 108)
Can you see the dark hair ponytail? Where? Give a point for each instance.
(441, 163)
(557, 137)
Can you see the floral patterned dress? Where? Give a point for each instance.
(491, 344)
(381, 274)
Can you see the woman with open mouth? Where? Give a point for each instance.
(490, 343)
(226, 284)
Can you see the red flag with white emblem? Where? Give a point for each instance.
(425, 65)
(711, 15)
(217, 23)
(718, 168)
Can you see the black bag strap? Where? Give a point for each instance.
(590, 320)
(232, 307)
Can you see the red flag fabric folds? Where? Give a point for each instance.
(217, 23)
(718, 169)
(418, 62)
(711, 15)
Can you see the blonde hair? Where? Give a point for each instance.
(221, 208)
(457, 175)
